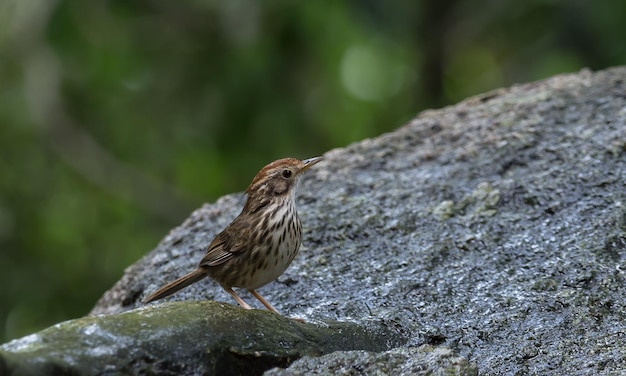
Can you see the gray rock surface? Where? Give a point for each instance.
(423, 360)
(495, 227)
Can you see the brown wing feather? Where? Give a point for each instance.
(225, 245)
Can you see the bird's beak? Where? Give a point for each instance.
(309, 162)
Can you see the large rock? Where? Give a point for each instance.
(496, 228)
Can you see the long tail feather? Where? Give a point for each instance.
(178, 284)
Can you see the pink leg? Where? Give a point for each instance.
(262, 300)
(237, 298)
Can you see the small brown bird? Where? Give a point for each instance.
(260, 243)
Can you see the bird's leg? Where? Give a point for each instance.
(262, 300)
(236, 297)
(269, 306)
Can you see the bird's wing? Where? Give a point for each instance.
(234, 239)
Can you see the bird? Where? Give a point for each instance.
(260, 243)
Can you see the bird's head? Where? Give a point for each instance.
(280, 177)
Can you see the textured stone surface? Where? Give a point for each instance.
(423, 360)
(495, 228)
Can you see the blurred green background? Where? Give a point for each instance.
(118, 118)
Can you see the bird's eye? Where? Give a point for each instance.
(287, 174)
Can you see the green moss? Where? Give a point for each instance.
(176, 337)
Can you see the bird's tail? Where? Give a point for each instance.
(176, 285)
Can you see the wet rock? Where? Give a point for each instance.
(423, 360)
(183, 338)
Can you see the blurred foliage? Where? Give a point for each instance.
(118, 118)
